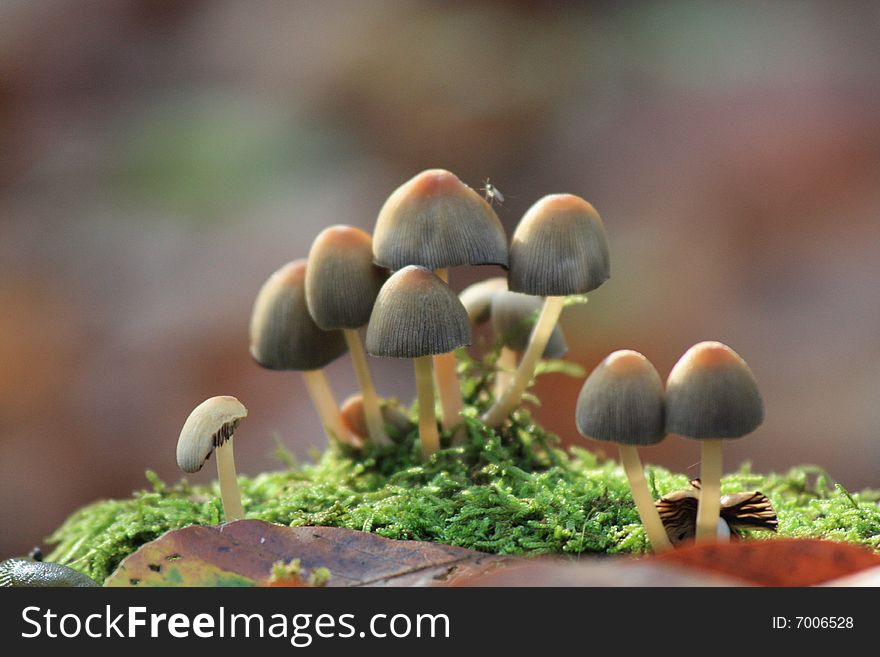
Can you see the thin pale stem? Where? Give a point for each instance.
(710, 490)
(540, 336)
(446, 377)
(428, 435)
(229, 492)
(372, 411)
(635, 473)
(325, 403)
(504, 368)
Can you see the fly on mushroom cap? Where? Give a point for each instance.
(416, 314)
(283, 334)
(622, 401)
(209, 426)
(513, 315)
(559, 248)
(436, 221)
(477, 298)
(712, 393)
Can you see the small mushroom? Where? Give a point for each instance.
(622, 402)
(436, 221)
(711, 395)
(559, 248)
(416, 315)
(739, 511)
(477, 298)
(209, 428)
(285, 337)
(341, 286)
(396, 423)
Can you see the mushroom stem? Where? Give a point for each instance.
(428, 435)
(446, 374)
(540, 335)
(325, 403)
(504, 368)
(229, 492)
(372, 411)
(710, 490)
(635, 473)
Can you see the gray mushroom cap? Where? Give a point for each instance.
(341, 280)
(712, 393)
(559, 248)
(477, 298)
(209, 426)
(283, 334)
(514, 315)
(622, 401)
(436, 221)
(416, 314)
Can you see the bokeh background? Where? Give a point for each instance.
(159, 159)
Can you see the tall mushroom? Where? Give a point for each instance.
(559, 248)
(622, 402)
(416, 316)
(209, 428)
(436, 221)
(712, 395)
(341, 286)
(284, 336)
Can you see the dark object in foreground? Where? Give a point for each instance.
(26, 573)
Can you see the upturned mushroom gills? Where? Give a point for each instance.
(559, 248)
(622, 402)
(416, 316)
(436, 221)
(712, 395)
(209, 428)
(397, 423)
(284, 336)
(341, 286)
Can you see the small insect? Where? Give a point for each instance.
(491, 193)
(678, 511)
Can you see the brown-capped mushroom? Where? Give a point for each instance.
(341, 286)
(436, 221)
(711, 395)
(416, 315)
(558, 249)
(622, 402)
(209, 429)
(284, 336)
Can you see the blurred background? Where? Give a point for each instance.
(160, 158)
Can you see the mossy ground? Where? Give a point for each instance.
(509, 491)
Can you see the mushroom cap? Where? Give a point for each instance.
(436, 221)
(513, 317)
(396, 421)
(341, 280)
(209, 425)
(712, 393)
(283, 334)
(477, 298)
(416, 314)
(559, 248)
(622, 401)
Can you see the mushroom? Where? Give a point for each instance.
(341, 286)
(477, 298)
(739, 511)
(284, 336)
(436, 221)
(559, 248)
(416, 315)
(711, 395)
(622, 402)
(513, 315)
(209, 428)
(396, 423)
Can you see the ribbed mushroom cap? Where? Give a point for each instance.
(559, 248)
(514, 315)
(283, 334)
(416, 314)
(622, 401)
(341, 280)
(207, 427)
(436, 221)
(712, 393)
(477, 298)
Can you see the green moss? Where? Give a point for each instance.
(509, 491)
